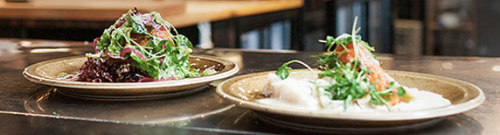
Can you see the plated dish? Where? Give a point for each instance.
(47, 73)
(349, 84)
(140, 54)
(462, 95)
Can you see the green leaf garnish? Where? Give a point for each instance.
(401, 91)
(284, 71)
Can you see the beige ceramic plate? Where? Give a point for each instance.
(463, 96)
(46, 73)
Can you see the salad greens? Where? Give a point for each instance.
(147, 40)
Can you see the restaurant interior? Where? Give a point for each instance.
(415, 27)
(446, 47)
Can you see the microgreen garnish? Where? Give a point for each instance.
(349, 79)
(348, 82)
(284, 71)
(56, 114)
(401, 91)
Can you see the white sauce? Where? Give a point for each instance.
(302, 94)
(291, 92)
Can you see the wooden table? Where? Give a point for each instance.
(184, 13)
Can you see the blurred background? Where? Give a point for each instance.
(413, 27)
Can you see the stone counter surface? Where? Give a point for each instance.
(29, 108)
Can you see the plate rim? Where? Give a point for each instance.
(30, 74)
(397, 116)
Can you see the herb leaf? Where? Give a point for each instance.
(284, 71)
(401, 91)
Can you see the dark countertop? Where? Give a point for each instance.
(29, 108)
